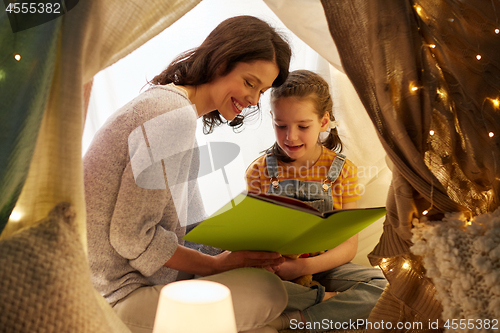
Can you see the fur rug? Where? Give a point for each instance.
(463, 260)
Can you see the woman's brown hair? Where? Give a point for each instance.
(304, 84)
(237, 39)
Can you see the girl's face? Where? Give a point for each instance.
(242, 87)
(297, 127)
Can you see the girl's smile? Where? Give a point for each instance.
(294, 148)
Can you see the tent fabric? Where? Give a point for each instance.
(90, 37)
(47, 111)
(406, 86)
(22, 112)
(307, 20)
(427, 73)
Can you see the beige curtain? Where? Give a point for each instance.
(93, 35)
(428, 74)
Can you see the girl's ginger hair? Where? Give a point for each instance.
(306, 85)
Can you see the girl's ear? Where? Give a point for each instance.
(325, 122)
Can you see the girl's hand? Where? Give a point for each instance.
(291, 269)
(228, 260)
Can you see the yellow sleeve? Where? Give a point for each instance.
(351, 189)
(253, 177)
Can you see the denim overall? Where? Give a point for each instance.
(359, 287)
(316, 194)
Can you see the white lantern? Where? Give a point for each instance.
(193, 306)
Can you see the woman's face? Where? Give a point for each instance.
(242, 87)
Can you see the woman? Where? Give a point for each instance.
(140, 178)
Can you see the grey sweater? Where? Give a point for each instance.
(133, 230)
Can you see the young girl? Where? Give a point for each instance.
(133, 219)
(302, 166)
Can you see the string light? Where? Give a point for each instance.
(495, 102)
(419, 9)
(17, 56)
(441, 93)
(15, 216)
(382, 263)
(413, 87)
(425, 212)
(406, 265)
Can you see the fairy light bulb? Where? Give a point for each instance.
(497, 31)
(419, 9)
(491, 134)
(15, 216)
(496, 102)
(383, 263)
(478, 57)
(413, 87)
(431, 132)
(17, 56)
(432, 46)
(441, 93)
(425, 212)
(406, 265)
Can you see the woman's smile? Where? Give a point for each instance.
(237, 106)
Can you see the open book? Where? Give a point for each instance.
(267, 222)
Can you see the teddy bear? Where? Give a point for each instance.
(304, 280)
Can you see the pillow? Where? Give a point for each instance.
(463, 260)
(45, 280)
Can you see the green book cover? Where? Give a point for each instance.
(274, 223)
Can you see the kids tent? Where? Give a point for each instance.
(426, 72)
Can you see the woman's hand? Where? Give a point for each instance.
(191, 261)
(228, 260)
